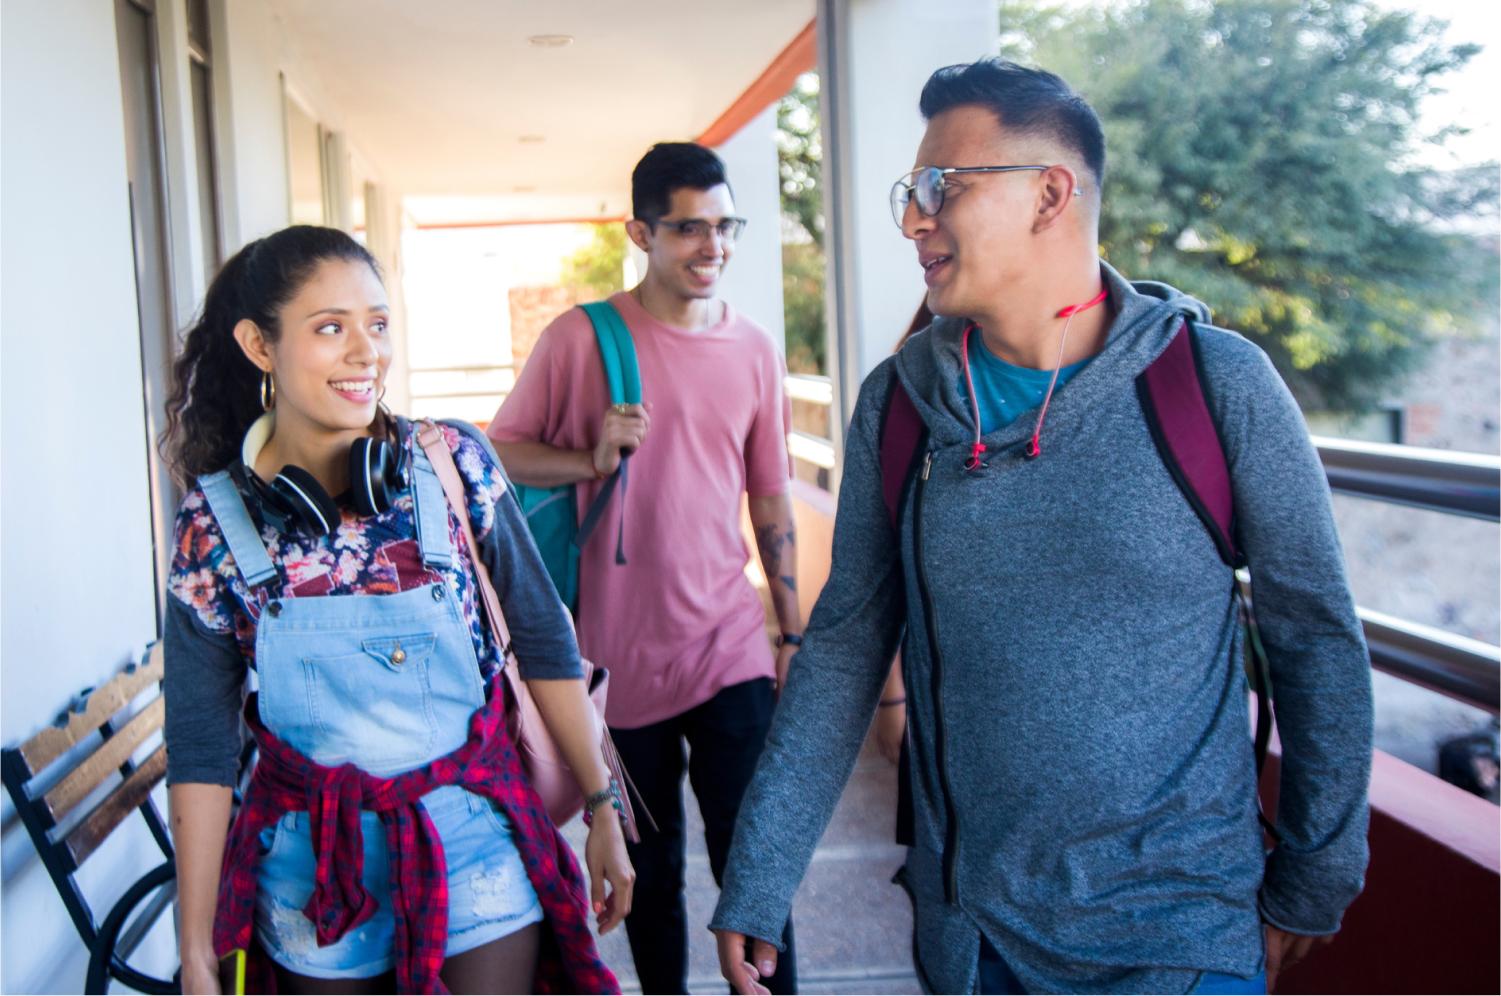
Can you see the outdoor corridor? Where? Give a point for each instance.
(854, 927)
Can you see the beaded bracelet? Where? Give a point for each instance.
(610, 794)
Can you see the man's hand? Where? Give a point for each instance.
(624, 428)
(785, 653)
(1283, 950)
(744, 977)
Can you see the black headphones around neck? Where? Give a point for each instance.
(294, 500)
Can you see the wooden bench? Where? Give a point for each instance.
(50, 776)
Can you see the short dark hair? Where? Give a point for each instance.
(670, 166)
(1031, 101)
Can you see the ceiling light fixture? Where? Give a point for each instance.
(550, 41)
(531, 139)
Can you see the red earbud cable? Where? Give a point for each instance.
(1034, 448)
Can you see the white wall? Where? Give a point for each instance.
(76, 562)
(253, 54)
(75, 567)
(752, 282)
(871, 129)
(247, 68)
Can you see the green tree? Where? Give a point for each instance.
(802, 306)
(800, 156)
(1261, 157)
(598, 270)
(800, 159)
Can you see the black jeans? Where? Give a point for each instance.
(724, 738)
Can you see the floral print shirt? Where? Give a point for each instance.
(212, 612)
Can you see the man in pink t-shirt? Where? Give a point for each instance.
(678, 624)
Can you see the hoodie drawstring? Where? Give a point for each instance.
(1034, 448)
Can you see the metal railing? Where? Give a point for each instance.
(1461, 668)
(815, 450)
(1465, 484)
(1438, 480)
(465, 375)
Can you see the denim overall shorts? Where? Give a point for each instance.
(387, 682)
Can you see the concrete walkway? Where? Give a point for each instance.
(854, 928)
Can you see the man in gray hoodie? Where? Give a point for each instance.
(1081, 763)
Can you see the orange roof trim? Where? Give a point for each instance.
(800, 55)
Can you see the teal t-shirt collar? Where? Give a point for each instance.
(1003, 390)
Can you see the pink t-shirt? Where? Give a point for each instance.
(680, 620)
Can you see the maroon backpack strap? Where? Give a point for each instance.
(902, 433)
(1172, 398)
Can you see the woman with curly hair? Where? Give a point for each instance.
(388, 838)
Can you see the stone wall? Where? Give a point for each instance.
(1454, 402)
(1441, 570)
(1427, 567)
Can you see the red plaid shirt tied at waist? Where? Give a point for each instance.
(487, 764)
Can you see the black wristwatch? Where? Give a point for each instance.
(789, 638)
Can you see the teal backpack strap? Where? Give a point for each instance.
(617, 351)
(551, 513)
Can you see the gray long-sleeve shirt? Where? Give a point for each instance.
(1082, 768)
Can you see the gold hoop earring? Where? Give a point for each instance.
(268, 392)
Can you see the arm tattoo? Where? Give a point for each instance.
(770, 540)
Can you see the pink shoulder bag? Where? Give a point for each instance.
(545, 767)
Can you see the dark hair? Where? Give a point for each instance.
(1031, 101)
(920, 320)
(215, 391)
(670, 166)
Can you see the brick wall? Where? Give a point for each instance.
(532, 308)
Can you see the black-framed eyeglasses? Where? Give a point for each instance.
(927, 184)
(698, 229)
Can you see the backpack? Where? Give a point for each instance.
(1177, 413)
(552, 513)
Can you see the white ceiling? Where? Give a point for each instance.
(437, 94)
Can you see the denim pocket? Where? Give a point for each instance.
(273, 840)
(495, 816)
(375, 707)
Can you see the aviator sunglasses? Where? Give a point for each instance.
(926, 185)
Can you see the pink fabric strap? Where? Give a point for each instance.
(430, 437)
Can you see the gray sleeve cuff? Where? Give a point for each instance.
(725, 919)
(1308, 894)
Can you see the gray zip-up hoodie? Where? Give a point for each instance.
(1082, 769)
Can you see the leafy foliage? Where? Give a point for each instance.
(598, 270)
(1261, 156)
(800, 159)
(802, 306)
